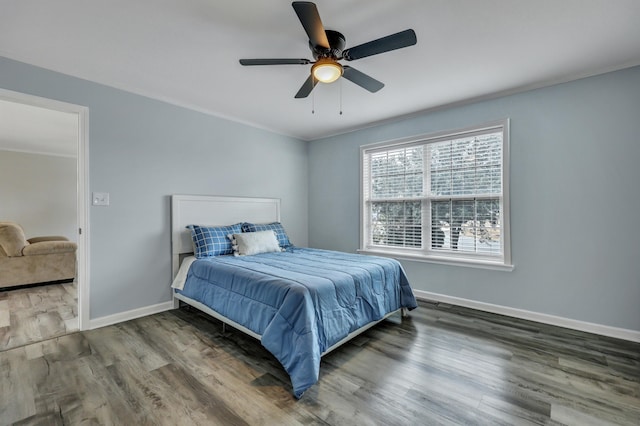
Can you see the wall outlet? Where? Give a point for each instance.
(100, 199)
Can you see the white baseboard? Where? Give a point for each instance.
(603, 330)
(129, 315)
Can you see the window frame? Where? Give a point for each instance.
(426, 253)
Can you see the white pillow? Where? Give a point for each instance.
(249, 243)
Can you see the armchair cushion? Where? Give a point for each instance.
(48, 238)
(12, 239)
(49, 247)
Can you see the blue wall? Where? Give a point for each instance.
(575, 152)
(575, 199)
(142, 151)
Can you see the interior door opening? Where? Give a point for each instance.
(54, 171)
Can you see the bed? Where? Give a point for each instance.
(301, 303)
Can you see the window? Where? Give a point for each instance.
(440, 197)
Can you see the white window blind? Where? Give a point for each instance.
(396, 188)
(437, 196)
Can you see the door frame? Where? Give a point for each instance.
(82, 182)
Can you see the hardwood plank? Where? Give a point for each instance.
(33, 314)
(50, 324)
(24, 329)
(442, 365)
(566, 415)
(15, 387)
(19, 300)
(4, 313)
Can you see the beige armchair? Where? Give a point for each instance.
(36, 260)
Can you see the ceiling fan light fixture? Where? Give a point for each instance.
(326, 70)
(328, 47)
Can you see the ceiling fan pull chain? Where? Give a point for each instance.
(313, 103)
(340, 96)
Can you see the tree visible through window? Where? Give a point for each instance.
(439, 196)
(397, 184)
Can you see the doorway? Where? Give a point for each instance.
(72, 121)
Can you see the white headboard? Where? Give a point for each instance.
(214, 211)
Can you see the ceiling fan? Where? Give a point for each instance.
(327, 48)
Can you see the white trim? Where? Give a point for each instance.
(83, 220)
(425, 253)
(451, 261)
(129, 315)
(82, 182)
(424, 138)
(506, 203)
(589, 327)
(48, 154)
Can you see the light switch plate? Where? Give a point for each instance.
(100, 198)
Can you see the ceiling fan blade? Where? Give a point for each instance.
(274, 61)
(307, 87)
(385, 44)
(361, 79)
(310, 19)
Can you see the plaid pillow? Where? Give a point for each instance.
(211, 241)
(277, 227)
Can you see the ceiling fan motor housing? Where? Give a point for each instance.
(336, 44)
(328, 48)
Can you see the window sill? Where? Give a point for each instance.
(442, 260)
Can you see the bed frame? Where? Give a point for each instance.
(221, 211)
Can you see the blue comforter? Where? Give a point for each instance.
(301, 301)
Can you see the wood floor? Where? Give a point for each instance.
(34, 314)
(442, 365)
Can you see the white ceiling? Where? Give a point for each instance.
(186, 52)
(28, 128)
